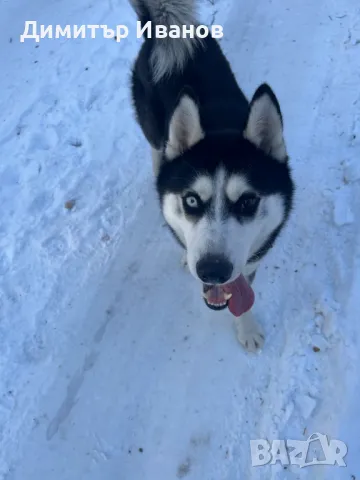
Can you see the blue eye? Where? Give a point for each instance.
(192, 204)
(191, 201)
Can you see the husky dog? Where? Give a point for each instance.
(220, 161)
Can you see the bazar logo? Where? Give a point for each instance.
(316, 450)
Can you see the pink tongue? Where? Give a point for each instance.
(243, 296)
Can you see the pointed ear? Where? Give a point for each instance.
(185, 128)
(264, 126)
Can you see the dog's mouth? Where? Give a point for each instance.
(238, 296)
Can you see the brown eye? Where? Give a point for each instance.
(247, 204)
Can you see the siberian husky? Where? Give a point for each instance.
(220, 161)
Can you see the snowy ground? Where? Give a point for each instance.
(110, 365)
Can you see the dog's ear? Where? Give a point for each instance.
(185, 128)
(264, 125)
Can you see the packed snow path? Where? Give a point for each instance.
(111, 367)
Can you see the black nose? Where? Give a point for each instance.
(214, 269)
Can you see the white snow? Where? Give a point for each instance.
(343, 214)
(110, 365)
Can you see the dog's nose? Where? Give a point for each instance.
(214, 269)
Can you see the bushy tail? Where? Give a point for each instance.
(169, 54)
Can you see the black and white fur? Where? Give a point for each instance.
(220, 162)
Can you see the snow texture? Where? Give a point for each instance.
(110, 365)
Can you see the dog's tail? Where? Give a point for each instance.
(169, 54)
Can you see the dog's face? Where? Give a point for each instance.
(222, 219)
(226, 196)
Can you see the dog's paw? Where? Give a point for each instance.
(249, 333)
(252, 341)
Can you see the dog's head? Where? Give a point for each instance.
(226, 195)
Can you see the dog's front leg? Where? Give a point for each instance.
(249, 332)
